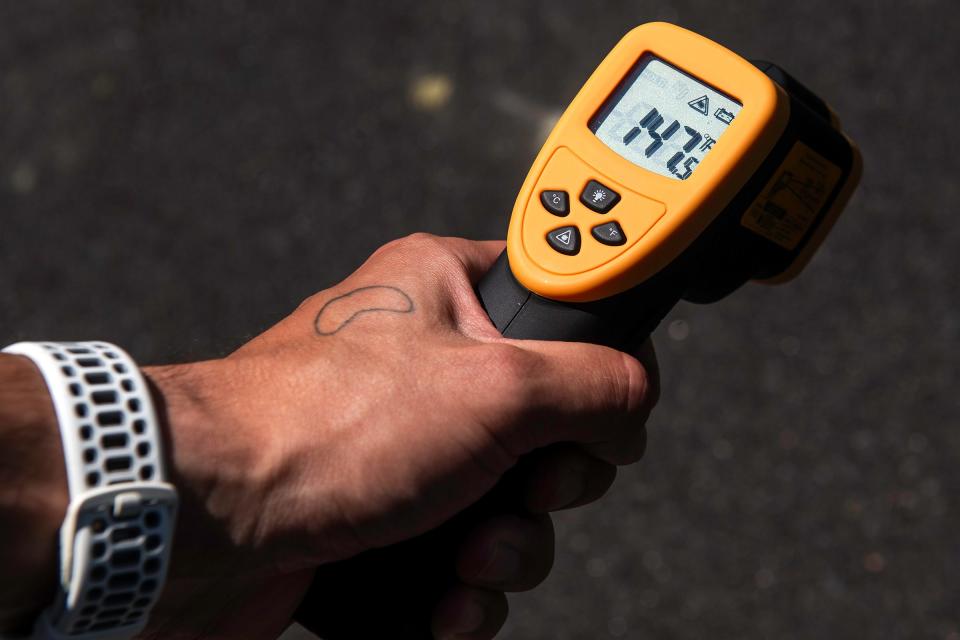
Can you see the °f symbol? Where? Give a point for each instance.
(701, 104)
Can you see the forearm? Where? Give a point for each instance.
(33, 492)
(211, 469)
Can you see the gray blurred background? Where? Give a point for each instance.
(176, 176)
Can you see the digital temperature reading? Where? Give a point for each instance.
(663, 119)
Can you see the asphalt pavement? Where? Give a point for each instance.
(176, 176)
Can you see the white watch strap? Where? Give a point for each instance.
(116, 538)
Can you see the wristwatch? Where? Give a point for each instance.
(116, 537)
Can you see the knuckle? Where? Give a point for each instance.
(537, 575)
(624, 450)
(421, 241)
(632, 385)
(544, 554)
(308, 301)
(432, 255)
(635, 447)
(316, 301)
(642, 443)
(387, 248)
(412, 242)
(510, 365)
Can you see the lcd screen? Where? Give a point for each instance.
(663, 119)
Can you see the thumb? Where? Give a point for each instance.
(580, 393)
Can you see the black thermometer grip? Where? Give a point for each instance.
(622, 321)
(402, 583)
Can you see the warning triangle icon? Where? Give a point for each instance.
(701, 104)
(565, 237)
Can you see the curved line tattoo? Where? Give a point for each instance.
(341, 305)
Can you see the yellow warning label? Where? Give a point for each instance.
(793, 198)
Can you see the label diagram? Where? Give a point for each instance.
(793, 198)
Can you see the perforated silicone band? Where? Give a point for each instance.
(115, 540)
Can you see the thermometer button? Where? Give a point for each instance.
(609, 233)
(556, 202)
(598, 197)
(566, 240)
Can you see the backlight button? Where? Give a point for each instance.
(556, 202)
(598, 197)
(609, 233)
(566, 240)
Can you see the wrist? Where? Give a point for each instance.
(243, 503)
(33, 493)
(212, 461)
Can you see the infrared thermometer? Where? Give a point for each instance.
(679, 171)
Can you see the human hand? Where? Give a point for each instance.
(376, 411)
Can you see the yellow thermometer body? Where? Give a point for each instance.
(680, 170)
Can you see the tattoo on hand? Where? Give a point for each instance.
(344, 309)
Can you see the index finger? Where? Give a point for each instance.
(477, 256)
